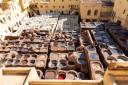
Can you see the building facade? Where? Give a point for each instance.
(106, 10)
(89, 10)
(121, 12)
(12, 12)
(61, 6)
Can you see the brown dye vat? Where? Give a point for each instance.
(71, 58)
(99, 75)
(70, 47)
(24, 58)
(71, 75)
(80, 48)
(45, 44)
(96, 66)
(21, 37)
(70, 43)
(6, 44)
(97, 70)
(40, 64)
(25, 49)
(9, 62)
(32, 61)
(53, 64)
(32, 39)
(62, 64)
(3, 47)
(37, 50)
(55, 44)
(24, 62)
(44, 49)
(70, 53)
(40, 45)
(19, 56)
(22, 45)
(34, 55)
(41, 57)
(17, 62)
(50, 74)
(28, 45)
(53, 56)
(68, 39)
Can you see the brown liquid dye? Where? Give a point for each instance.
(24, 62)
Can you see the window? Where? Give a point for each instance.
(35, 6)
(41, 6)
(4, 19)
(51, 11)
(1, 21)
(53, 6)
(124, 11)
(62, 6)
(20, 23)
(95, 12)
(38, 12)
(94, 20)
(9, 29)
(89, 12)
(87, 20)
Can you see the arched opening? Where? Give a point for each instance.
(62, 12)
(118, 22)
(38, 13)
(89, 12)
(95, 12)
(51, 11)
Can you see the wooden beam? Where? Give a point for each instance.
(66, 82)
